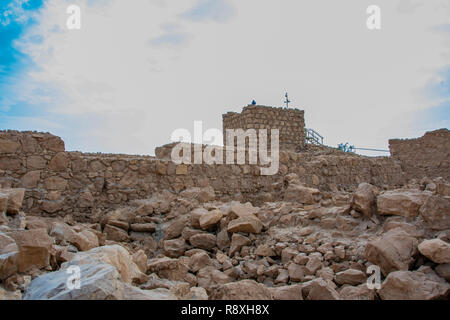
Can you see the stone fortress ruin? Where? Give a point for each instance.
(199, 231)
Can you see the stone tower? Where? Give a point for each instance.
(290, 123)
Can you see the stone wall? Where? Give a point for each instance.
(59, 182)
(426, 156)
(290, 122)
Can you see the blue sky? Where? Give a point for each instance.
(136, 72)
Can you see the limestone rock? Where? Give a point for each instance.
(209, 276)
(436, 212)
(319, 289)
(210, 219)
(351, 276)
(413, 285)
(302, 194)
(34, 248)
(15, 199)
(199, 261)
(174, 248)
(443, 270)
(247, 224)
(401, 202)
(394, 250)
(364, 199)
(242, 290)
(361, 292)
(237, 242)
(204, 241)
(292, 292)
(114, 255)
(436, 250)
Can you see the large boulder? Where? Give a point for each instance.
(209, 276)
(9, 253)
(246, 224)
(15, 199)
(405, 203)
(301, 194)
(242, 290)
(350, 276)
(168, 268)
(319, 289)
(414, 285)
(98, 281)
(364, 199)
(436, 250)
(436, 212)
(114, 255)
(34, 248)
(210, 219)
(361, 292)
(83, 240)
(206, 241)
(394, 250)
(174, 248)
(292, 292)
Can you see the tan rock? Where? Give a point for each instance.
(9, 254)
(195, 217)
(140, 259)
(237, 242)
(15, 199)
(394, 250)
(8, 146)
(296, 272)
(114, 255)
(436, 212)
(443, 270)
(34, 248)
(242, 290)
(31, 179)
(401, 202)
(351, 276)
(292, 292)
(210, 276)
(265, 251)
(116, 234)
(210, 219)
(319, 289)
(436, 250)
(302, 194)
(361, 292)
(204, 241)
(413, 285)
(247, 224)
(239, 210)
(199, 261)
(60, 162)
(174, 248)
(364, 199)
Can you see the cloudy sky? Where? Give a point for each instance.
(139, 69)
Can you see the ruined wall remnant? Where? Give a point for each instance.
(428, 156)
(290, 122)
(81, 184)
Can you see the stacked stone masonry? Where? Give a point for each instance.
(289, 122)
(60, 183)
(428, 156)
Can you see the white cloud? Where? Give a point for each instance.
(354, 84)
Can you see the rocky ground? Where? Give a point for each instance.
(313, 245)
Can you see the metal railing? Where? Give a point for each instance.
(313, 137)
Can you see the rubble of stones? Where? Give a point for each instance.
(191, 246)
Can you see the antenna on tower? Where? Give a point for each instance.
(287, 100)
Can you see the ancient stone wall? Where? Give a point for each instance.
(59, 182)
(426, 156)
(290, 122)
